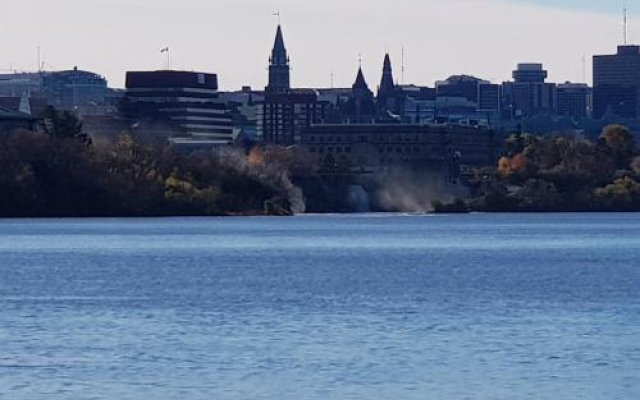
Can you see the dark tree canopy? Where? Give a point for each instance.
(561, 174)
(55, 174)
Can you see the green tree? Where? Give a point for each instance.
(619, 142)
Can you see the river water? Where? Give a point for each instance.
(322, 307)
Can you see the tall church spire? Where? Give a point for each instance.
(279, 70)
(386, 84)
(390, 99)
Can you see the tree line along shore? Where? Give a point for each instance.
(59, 171)
(557, 174)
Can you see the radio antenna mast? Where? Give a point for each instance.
(625, 24)
(402, 68)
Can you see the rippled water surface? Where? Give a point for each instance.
(321, 307)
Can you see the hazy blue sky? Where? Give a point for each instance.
(595, 5)
(233, 37)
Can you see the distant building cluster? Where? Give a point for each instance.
(455, 122)
(83, 92)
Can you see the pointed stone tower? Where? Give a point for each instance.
(387, 85)
(360, 86)
(389, 98)
(279, 69)
(361, 104)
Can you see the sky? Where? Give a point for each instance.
(325, 38)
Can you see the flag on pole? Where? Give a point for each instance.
(164, 50)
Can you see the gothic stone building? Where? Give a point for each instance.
(286, 111)
(378, 147)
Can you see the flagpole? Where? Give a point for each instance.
(168, 51)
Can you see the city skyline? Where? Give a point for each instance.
(488, 38)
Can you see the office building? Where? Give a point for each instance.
(574, 100)
(82, 92)
(464, 86)
(528, 94)
(183, 106)
(18, 84)
(489, 97)
(616, 83)
(529, 73)
(75, 89)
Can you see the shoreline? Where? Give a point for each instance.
(312, 214)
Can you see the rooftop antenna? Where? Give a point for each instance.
(625, 24)
(584, 69)
(332, 77)
(39, 49)
(402, 68)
